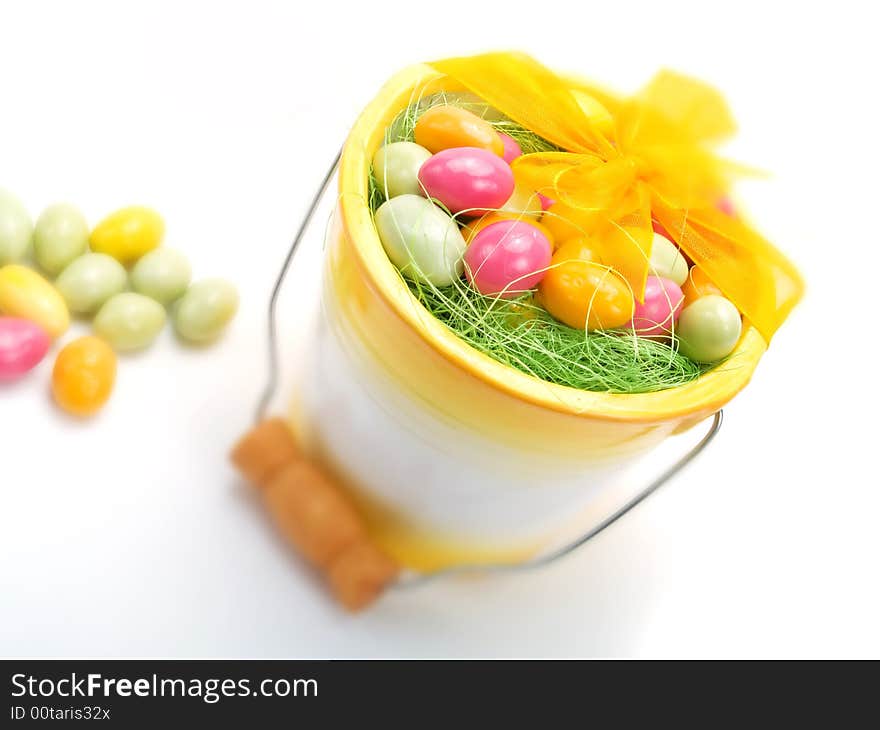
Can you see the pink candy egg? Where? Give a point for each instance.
(507, 258)
(512, 150)
(545, 201)
(22, 345)
(663, 302)
(467, 179)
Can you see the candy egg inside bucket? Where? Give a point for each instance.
(657, 314)
(507, 258)
(467, 180)
(421, 240)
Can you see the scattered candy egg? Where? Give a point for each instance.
(444, 127)
(507, 258)
(128, 234)
(60, 235)
(83, 377)
(585, 294)
(666, 260)
(545, 201)
(578, 249)
(130, 321)
(472, 228)
(206, 309)
(163, 275)
(396, 168)
(91, 280)
(27, 295)
(512, 150)
(523, 202)
(16, 229)
(420, 239)
(22, 345)
(467, 179)
(698, 285)
(708, 329)
(595, 111)
(656, 316)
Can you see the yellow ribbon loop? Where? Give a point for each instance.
(656, 163)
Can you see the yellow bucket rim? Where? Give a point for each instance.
(702, 396)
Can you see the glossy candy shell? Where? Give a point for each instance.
(709, 329)
(130, 321)
(656, 316)
(60, 235)
(128, 234)
(26, 294)
(420, 239)
(22, 346)
(84, 375)
(16, 229)
(467, 179)
(91, 280)
(585, 294)
(507, 258)
(396, 168)
(445, 127)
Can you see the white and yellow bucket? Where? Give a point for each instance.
(450, 456)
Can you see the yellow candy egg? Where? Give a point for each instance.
(523, 202)
(577, 249)
(444, 127)
(128, 234)
(27, 295)
(83, 377)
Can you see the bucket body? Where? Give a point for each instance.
(452, 456)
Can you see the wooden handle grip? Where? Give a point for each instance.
(314, 514)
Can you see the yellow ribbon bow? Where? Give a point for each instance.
(656, 163)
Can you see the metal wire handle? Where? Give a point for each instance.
(413, 579)
(272, 380)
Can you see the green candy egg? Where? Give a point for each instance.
(91, 280)
(708, 329)
(396, 168)
(203, 312)
(420, 239)
(163, 275)
(16, 229)
(667, 261)
(130, 321)
(61, 234)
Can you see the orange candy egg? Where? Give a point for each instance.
(583, 293)
(565, 222)
(698, 285)
(83, 377)
(444, 127)
(577, 249)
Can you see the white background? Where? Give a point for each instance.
(130, 535)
